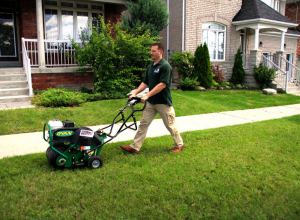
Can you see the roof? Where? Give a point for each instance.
(293, 31)
(292, 1)
(255, 9)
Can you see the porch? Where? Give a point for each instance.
(39, 32)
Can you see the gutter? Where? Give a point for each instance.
(168, 30)
(265, 21)
(183, 25)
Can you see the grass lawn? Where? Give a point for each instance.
(249, 171)
(185, 103)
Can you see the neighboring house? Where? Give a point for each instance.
(292, 12)
(257, 27)
(42, 29)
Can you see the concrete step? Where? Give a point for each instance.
(9, 71)
(13, 84)
(14, 92)
(9, 99)
(13, 77)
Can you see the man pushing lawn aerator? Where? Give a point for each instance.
(158, 79)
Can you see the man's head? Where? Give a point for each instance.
(157, 51)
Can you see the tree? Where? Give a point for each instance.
(238, 72)
(202, 69)
(117, 63)
(146, 15)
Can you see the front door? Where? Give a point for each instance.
(8, 47)
(9, 40)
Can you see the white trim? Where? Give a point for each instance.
(274, 34)
(265, 21)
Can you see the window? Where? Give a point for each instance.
(269, 2)
(214, 35)
(276, 6)
(67, 19)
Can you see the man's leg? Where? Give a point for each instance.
(168, 116)
(148, 116)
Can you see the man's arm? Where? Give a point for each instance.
(154, 91)
(141, 88)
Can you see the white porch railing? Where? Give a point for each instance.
(281, 78)
(57, 52)
(27, 67)
(292, 71)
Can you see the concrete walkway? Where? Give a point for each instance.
(27, 143)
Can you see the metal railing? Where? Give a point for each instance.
(281, 78)
(57, 52)
(292, 71)
(27, 67)
(246, 60)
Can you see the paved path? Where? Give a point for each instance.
(27, 143)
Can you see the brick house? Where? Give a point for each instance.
(258, 27)
(42, 29)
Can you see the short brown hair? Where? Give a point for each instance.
(160, 46)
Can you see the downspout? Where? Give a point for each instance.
(296, 12)
(183, 25)
(168, 30)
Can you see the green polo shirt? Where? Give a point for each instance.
(160, 72)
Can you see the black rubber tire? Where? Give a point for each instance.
(95, 162)
(52, 155)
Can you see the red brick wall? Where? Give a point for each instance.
(62, 80)
(28, 27)
(290, 13)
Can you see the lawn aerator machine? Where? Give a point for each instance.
(71, 146)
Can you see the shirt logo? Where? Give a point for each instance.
(156, 71)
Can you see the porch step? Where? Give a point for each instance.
(9, 71)
(13, 84)
(14, 92)
(13, 77)
(9, 99)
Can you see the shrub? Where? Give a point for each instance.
(145, 15)
(238, 72)
(263, 75)
(281, 91)
(118, 63)
(184, 63)
(217, 73)
(189, 84)
(59, 97)
(62, 97)
(202, 69)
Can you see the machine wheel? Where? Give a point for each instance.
(52, 155)
(95, 162)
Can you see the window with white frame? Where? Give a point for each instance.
(70, 19)
(214, 35)
(276, 5)
(269, 2)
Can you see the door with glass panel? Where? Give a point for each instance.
(8, 46)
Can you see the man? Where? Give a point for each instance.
(158, 79)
